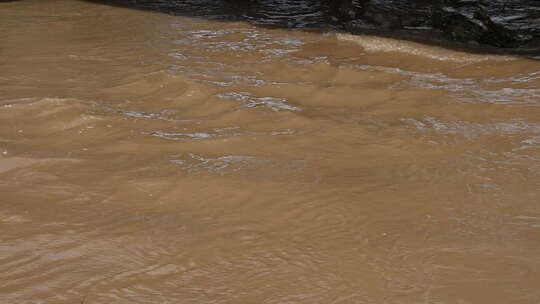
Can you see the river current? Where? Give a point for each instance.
(215, 157)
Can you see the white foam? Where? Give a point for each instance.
(373, 44)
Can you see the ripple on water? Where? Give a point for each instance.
(274, 103)
(489, 146)
(163, 115)
(469, 90)
(221, 165)
(510, 96)
(473, 129)
(216, 134)
(527, 220)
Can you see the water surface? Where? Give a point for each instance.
(157, 158)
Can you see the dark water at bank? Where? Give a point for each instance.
(173, 158)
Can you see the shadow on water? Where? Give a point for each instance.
(307, 15)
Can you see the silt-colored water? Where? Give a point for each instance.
(156, 158)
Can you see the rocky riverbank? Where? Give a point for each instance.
(511, 26)
(503, 24)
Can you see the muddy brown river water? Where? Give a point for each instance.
(156, 158)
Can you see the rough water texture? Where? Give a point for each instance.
(156, 158)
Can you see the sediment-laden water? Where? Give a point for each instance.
(157, 158)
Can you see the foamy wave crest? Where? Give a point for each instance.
(374, 44)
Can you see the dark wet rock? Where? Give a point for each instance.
(367, 14)
(345, 10)
(457, 25)
(501, 23)
(474, 24)
(382, 15)
(506, 24)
